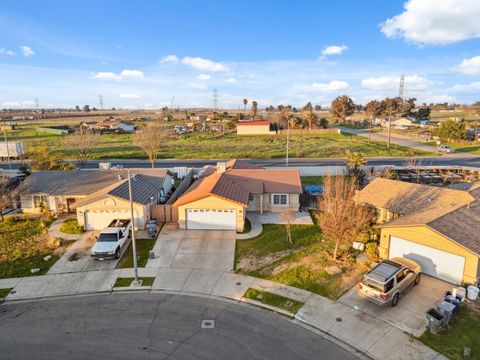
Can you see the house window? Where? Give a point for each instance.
(279, 199)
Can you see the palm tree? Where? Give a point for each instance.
(245, 102)
(254, 109)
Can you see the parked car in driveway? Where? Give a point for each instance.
(446, 149)
(389, 280)
(110, 241)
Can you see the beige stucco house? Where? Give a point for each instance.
(220, 198)
(259, 127)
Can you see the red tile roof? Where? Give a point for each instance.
(259, 122)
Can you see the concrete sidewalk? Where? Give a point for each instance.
(371, 336)
(255, 227)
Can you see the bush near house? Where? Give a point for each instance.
(71, 226)
(23, 245)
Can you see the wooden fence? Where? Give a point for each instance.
(165, 213)
(312, 131)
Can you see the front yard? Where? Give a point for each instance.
(301, 264)
(143, 248)
(463, 331)
(24, 245)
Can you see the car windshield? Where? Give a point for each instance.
(373, 284)
(107, 238)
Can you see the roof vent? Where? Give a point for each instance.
(221, 167)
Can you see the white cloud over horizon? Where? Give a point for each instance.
(127, 73)
(435, 22)
(130, 96)
(469, 66)
(27, 51)
(169, 59)
(412, 82)
(333, 50)
(334, 85)
(231, 80)
(204, 77)
(204, 64)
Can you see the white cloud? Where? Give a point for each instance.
(204, 64)
(437, 98)
(466, 88)
(131, 73)
(333, 50)
(413, 82)
(435, 22)
(231, 80)
(204, 77)
(335, 85)
(130, 96)
(469, 66)
(169, 59)
(7, 52)
(27, 51)
(107, 75)
(11, 104)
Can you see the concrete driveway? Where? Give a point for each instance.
(194, 249)
(409, 314)
(77, 257)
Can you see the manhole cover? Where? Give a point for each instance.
(239, 283)
(74, 257)
(208, 324)
(338, 320)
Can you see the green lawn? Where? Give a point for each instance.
(143, 247)
(301, 264)
(311, 180)
(23, 246)
(71, 226)
(205, 146)
(275, 300)
(126, 282)
(5, 292)
(464, 331)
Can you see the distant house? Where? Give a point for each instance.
(97, 196)
(259, 127)
(439, 228)
(405, 122)
(220, 198)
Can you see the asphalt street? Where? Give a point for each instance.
(457, 159)
(158, 326)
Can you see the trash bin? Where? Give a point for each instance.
(446, 308)
(472, 292)
(151, 227)
(435, 320)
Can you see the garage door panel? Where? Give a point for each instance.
(200, 219)
(434, 262)
(97, 220)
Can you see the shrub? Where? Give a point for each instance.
(71, 226)
(371, 249)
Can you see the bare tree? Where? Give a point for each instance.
(81, 143)
(341, 219)
(413, 164)
(373, 109)
(151, 139)
(341, 107)
(8, 194)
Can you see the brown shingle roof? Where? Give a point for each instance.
(408, 198)
(236, 184)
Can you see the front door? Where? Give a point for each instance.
(252, 203)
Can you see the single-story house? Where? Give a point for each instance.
(221, 196)
(84, 190)
(108, 125)
(259, 127)
(407, 122)
(437, 227)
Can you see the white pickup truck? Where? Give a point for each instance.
(111, 240)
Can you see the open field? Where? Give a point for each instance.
(204, 145)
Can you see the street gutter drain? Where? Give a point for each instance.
(208, 324)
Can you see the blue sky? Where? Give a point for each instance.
(140, 54)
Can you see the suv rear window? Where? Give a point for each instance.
(373, 284)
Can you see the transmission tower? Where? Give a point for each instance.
(215, 98)
(100, 101)
(36, 103)
(402, 84)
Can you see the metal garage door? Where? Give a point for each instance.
(211, 219)
(97, 220)
(437, 263)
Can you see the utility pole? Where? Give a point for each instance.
(136, 282)
(215, 98)
(8, 148)
(288, 140)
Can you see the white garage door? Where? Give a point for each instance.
(97, 220)
(211, 219)
(437, 263)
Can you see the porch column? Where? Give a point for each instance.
(261, 204)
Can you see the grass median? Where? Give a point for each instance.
(274, 300)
